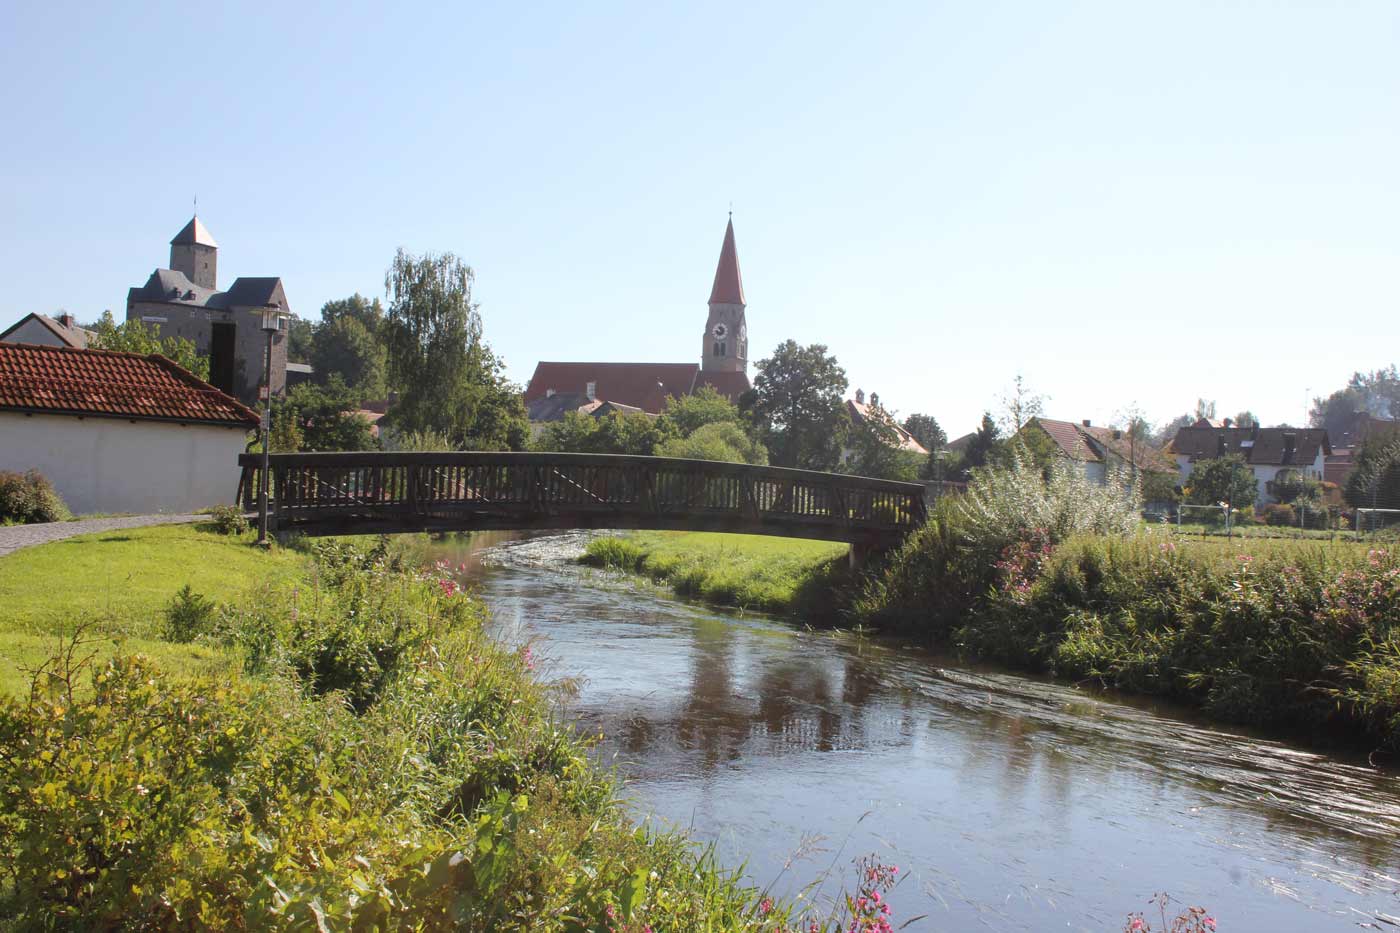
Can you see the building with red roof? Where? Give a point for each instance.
(724, 360)
(119, 432)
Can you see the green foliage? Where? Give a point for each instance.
(133, 336)
(449, 380)
(615, 433)
(720, 440)
(1375, 482)
(1031, 446)
(1227, 480)
(1376, 392)
(188, 616)
(705, 405)
(982, 448)
(301, 336)
(1279, 513)
(349, 351)
(432, 792)
(747, 571)
(926, 430)
(28, 498)
(1290, 486)
(798, 407)
(417, 440)
(229, 519)
(1160, 487)
(874, 445)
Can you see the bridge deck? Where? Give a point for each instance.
(367, 493)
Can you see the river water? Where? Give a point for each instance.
(1008, 803)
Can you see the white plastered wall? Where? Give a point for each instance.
(116, 465)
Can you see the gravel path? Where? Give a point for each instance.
(14, 537)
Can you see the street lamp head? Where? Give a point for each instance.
(272, 318)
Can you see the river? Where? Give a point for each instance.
(1008, 803)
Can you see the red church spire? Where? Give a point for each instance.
(729, 288)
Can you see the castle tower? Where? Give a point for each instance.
(194, 252)
(726, 341)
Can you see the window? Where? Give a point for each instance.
(720, 348)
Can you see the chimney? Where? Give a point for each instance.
(1220, 445)
(66, 320)
(1087, 423)
(860, 396)
(874, 399)
(1290, 447)
(1117, 434)
(1228, 424)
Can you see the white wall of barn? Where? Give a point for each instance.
(118, 465)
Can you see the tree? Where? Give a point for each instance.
(615, 433)
(703, 406)
(1020, 405)
(1031, 446)
(1223, 480)
(449, 380)
(875, 449)
(368, 312)
(324, 418)
(982, 448)
(719, 440)
(346, 349)
(1205, 409)
(1246, 419)
(926, 430)
(133, 336)
(1377, 393)
(1375, 482)
(301, 335)
(797, 406)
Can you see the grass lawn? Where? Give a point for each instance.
(121, 581)
(748, 571)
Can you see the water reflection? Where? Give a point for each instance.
(1011, 802)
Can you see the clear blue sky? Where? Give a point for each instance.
(1125, 202)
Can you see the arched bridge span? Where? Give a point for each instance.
(371, 493)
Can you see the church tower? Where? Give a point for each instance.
(726, 341)
(194, 252)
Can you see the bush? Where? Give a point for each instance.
(229, 519)
(29, 498)
(614, 553)
(1279, 514)
(188, 616)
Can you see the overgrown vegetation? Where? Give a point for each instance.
(28, 498)
(1283, 634)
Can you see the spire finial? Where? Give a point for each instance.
(196, 205)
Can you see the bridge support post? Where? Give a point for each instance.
(860, 553)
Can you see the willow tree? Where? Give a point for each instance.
(449, 381)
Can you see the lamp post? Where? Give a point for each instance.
(272, 318)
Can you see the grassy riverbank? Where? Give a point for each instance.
(777, 575)
(1295, 635)
(325, 740)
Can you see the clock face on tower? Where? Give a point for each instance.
(720, 331)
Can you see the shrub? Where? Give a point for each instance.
(614, 553)
(229, 519)
(28, 498)
(188, 616)
(1279, 514)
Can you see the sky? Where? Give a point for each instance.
(1130, 205)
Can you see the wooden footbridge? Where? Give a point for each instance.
(374, 493)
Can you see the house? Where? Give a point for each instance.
(861, 413)
(185, 301)
(119, 432)
(45, 331)
(1361, 427)
(554, 407)
(1268, 451)
(724, 358)
(1100, 451)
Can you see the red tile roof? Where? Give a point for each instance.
(859, 412)
(643, 385)
(729, 287)
(105, 383)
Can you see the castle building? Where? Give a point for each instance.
(724, 361)
(185, 301)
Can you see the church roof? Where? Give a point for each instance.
(194, 232)
(729, 286)
(640, 385)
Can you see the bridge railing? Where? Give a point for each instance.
(331, 492)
